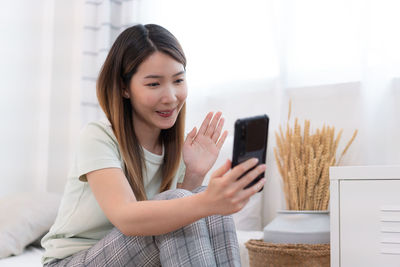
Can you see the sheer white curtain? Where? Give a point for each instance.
(104, 21)
(26, 37)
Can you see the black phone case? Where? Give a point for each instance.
(240, 154)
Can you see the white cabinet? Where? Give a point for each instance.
(365, 216)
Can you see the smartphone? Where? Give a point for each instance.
(250, 141)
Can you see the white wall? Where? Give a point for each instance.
(23, 73)
(37, 90)
(64, 117)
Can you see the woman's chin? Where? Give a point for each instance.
(166, 124)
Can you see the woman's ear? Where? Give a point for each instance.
(125, 94)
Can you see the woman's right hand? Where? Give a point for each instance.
(226, 194)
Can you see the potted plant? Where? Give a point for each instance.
(303, 157)
(300, 235)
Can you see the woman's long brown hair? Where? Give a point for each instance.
(130, 49)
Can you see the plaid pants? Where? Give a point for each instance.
(210, 241)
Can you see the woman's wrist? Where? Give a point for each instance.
(204, 204)
(192, 180)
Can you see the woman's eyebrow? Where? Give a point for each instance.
(159, 76)
(179, 73)
(153, 76)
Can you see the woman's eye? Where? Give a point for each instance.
(179, 81)
(152, 84)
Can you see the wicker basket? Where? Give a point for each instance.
(263, 254)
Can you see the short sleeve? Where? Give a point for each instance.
(97, 149)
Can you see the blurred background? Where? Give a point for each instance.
(338, 61)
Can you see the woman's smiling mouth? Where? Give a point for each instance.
(165, 113)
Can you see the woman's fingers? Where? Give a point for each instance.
(213, 125)
(228, 191)
(249, 177)
(222, 140)
(206, 122)
(217, 131)
(243, 167)
(222, 170)
(190, 137)
(245, 194)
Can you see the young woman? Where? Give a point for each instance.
(130, 198)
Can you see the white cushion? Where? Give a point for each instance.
(243, 237)
(25, 217)
(32, 257)
(249, 218)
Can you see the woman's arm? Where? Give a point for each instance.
(224, 195)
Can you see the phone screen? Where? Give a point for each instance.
(255, 135)
(250, 141)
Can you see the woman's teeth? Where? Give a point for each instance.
(165, 113)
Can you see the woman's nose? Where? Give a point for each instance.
(170, 95)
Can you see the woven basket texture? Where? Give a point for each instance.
(262, 254)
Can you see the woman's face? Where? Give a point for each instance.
(157, 92)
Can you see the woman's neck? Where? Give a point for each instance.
(148, 137)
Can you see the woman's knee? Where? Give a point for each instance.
(200, 189)
(173, 193)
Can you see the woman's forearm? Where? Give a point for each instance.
(155, 217)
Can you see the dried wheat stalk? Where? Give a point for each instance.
(303, 161)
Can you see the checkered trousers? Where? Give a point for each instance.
(210, 241)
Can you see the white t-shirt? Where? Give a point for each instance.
(80, 222)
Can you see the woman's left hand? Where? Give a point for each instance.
(201, 149)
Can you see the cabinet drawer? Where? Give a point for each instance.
(369, 212)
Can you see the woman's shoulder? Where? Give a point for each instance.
(99, 128)
(103, 124)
